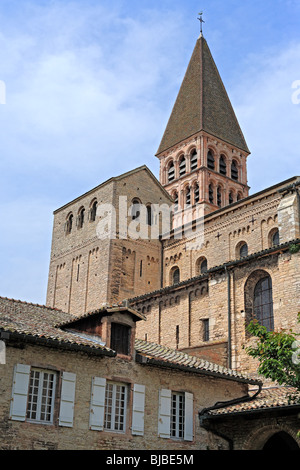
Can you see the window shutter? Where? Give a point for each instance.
(164, 416)
(97, 404)
(67, 400)
(188, 417)
(138, 410)
(20, 392)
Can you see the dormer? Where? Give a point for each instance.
(113, 327)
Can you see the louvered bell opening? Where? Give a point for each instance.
(219, 197)
(222, 166)
(210, 161)
(211, 194)
(188, 197)
(197, 195)
(194, 161)
(176, 202)
(182, 167)
(171, 173)
(234, 171)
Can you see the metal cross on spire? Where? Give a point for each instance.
(201, 21)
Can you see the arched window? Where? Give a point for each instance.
(80, 220)
(194, 160)
(149, 215)
(176, 276)
(176, 201)
(263, 303)
(201, 265)
(275, 238)
(69, 224)
(222, 165)
(239, 197)
(230, 198)
(219, 196)
(259, 299)
(234, 171)
(93, 212)
(211, 193)
(210, 160)
(171, 172)
(196, 193)
(188, 196)
(135, 209)
(182, 166)
(243, 250)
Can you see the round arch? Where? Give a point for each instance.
(272, 437)
(254, 279)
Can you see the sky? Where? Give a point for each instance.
(86, 90)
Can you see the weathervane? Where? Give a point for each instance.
(201, 21)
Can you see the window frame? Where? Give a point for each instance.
(116, 330)
(194, 160)
(177, 416)
(266, 320)
(243, 250)
(211, 161)
(39, 395)
(177, 272)
(111, 403)
(182, 166)
(205, 325)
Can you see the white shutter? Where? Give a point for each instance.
(97, 404)
(67, 400)
(138, 410)
(164, 413)
(19, 398)
(188, 417)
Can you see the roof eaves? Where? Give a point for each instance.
(57, 343)
(140, 358)
(222, 267)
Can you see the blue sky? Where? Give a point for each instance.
(89, 89)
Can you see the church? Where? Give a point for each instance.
(206, 257)
(165, 274)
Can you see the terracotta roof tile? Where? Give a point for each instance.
(40, 322)
(268, 398)
(155, 353)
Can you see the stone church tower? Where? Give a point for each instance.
(203, 152)
(196, 300)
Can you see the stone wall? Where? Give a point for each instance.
(15, 435)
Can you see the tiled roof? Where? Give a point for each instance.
(267, 399)
(44, 325)
(156, 354)
(39, 323)
(202, 104)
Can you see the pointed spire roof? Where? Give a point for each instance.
(202, 104)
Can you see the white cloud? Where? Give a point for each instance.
(268, 116)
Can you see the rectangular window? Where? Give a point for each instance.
(177, 415)
(115, 407)
(120, 338)
(205, 329)
(41, 396)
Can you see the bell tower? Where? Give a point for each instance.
(203, 153)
